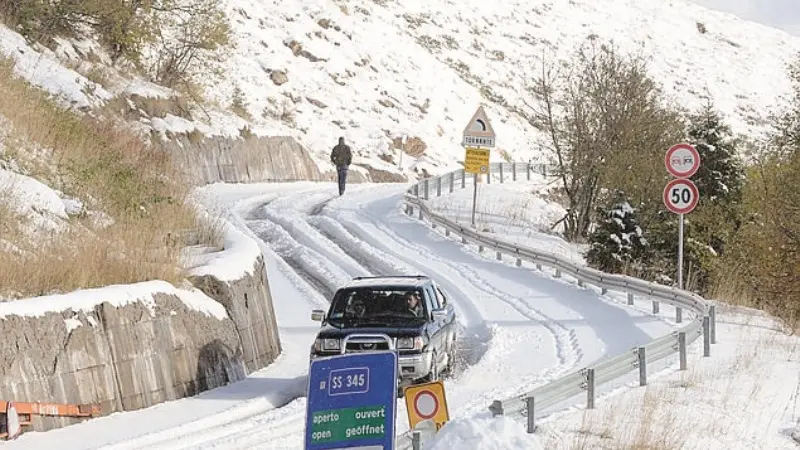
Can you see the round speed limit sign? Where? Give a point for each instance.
(681, 196)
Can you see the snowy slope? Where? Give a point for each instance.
(384, 68)
(372, 70)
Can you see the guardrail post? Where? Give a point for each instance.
(416, 440)
(558, 273)
(514, 171)
(538, 267)
(642, 353)
(589, 388)
(420, 214)
(530, 403)
(463, 178)
(447, 231)
(499, 256)
(489, 175)
(529, 171)
(501, 172)
(480, 248)
(713, 312)
(682, 349)
(519, 262)
(706, 336)
(580, 282)
(630, 299)
(416, 190)
(438, 186)
(656, 307)
(452, 181)
(678, 315)
(603, 291)
(463, 240)
(427, 187)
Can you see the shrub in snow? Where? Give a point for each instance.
(618, 241)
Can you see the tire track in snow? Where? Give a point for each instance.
(472, 339)
(302, 260)
(568, 350)
(296, 226)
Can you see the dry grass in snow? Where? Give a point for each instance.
(135, 214)
(745, 396)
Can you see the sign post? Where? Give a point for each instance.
(478, 133)
(681, 195)
(352, 402)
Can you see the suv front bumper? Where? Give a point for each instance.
(410, 366)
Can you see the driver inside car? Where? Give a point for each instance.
(413, 303)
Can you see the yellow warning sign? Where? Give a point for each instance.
(476, 160)
(426, 402)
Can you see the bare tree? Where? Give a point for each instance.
(607, 127)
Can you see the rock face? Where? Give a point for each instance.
(134, 356)
(250, 160)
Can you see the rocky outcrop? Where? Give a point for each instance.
(123, 358)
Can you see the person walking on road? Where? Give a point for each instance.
(341, 157)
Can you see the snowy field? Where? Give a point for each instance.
(516, 211)
(516, 324)
(746, 396)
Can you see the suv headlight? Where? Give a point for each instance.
(410, 343)
(327, 344)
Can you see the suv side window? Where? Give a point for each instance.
(432, 300)
(442, 298)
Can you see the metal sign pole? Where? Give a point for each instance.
(474, 195)
(680, 252)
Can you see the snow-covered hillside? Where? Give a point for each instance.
(374, 70)
(370, 70)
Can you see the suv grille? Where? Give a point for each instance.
(366, 346)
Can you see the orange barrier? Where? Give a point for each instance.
(19, 414)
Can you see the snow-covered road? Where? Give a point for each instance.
(517, 324)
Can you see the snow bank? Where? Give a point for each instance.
(483, 432)
(117, 295)
(44, 210)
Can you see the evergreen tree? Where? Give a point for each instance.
(720, 176)
(617, 244)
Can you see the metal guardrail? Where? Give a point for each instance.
(587, 379)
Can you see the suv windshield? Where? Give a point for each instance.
(376, 306)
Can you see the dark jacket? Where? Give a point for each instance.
(341, 156)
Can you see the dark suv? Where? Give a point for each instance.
(380, 313)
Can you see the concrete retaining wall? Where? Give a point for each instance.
(130, 357)
(249, 305)
(257, 159)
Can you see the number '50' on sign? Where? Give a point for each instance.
(681, 196)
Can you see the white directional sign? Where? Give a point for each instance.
(479, 131)
(681, 196)
(682, 160)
